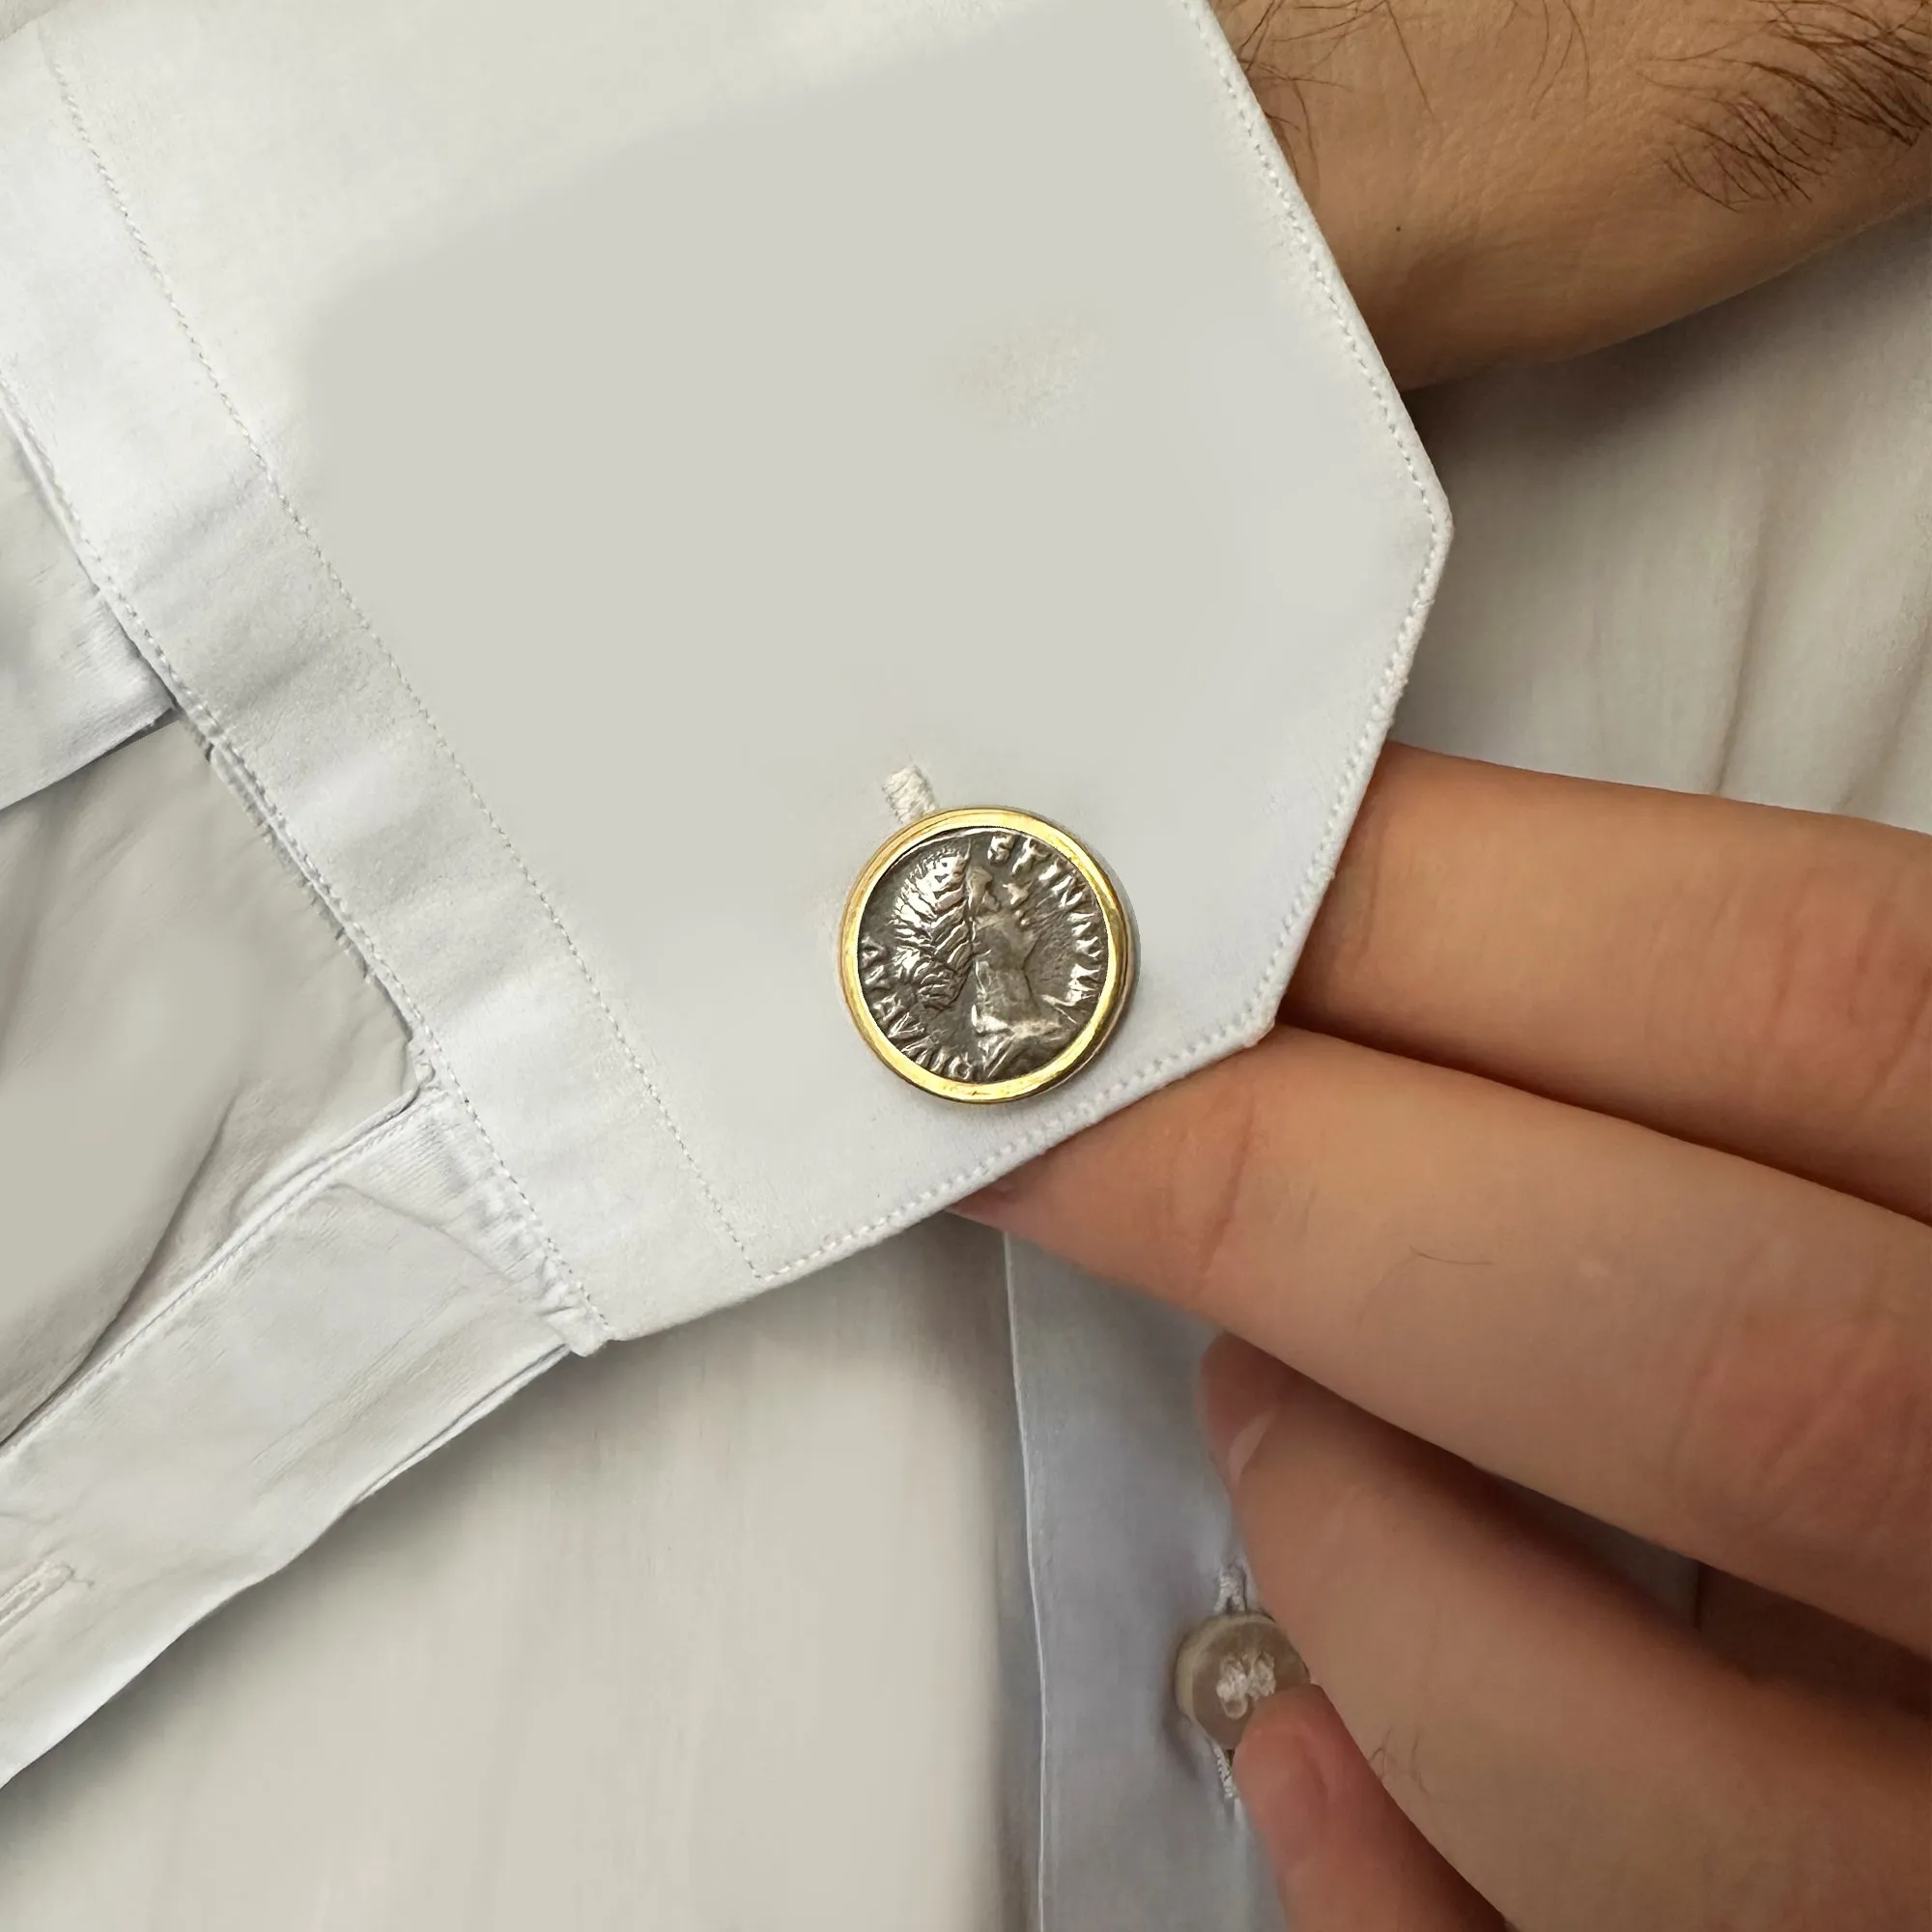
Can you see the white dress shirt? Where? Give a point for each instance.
(520, 1036)
(546, 485)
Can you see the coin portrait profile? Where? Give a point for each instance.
(985, 955)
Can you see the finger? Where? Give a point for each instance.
(1733, 1362)
(1751, 979)
(1344, 1858)
(1770, 1635)
(1580, 1761)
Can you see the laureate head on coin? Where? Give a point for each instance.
(985, 955)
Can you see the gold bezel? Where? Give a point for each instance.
(1115, 986)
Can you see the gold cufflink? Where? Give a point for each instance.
(985, 955)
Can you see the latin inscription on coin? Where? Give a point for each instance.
(985, 954)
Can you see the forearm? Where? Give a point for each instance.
(1509, 179)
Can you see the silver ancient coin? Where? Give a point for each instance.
(989, 957)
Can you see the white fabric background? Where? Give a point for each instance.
(69, 687)
(176, 1013)
(703, 1634)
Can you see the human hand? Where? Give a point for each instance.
(1594, 1152)
(1502, 181)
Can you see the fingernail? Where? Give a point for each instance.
(1284, 1787)
(1240, 1452)
(997, 1203)
(1241, 1393)
(991, 1204)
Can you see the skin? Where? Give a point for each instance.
(1512, 179)
(1593, 1152)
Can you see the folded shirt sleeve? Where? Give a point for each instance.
(558, 490)
(71, 686)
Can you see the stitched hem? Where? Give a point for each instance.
(1249, 1020)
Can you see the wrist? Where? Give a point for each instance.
(1507, 183)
